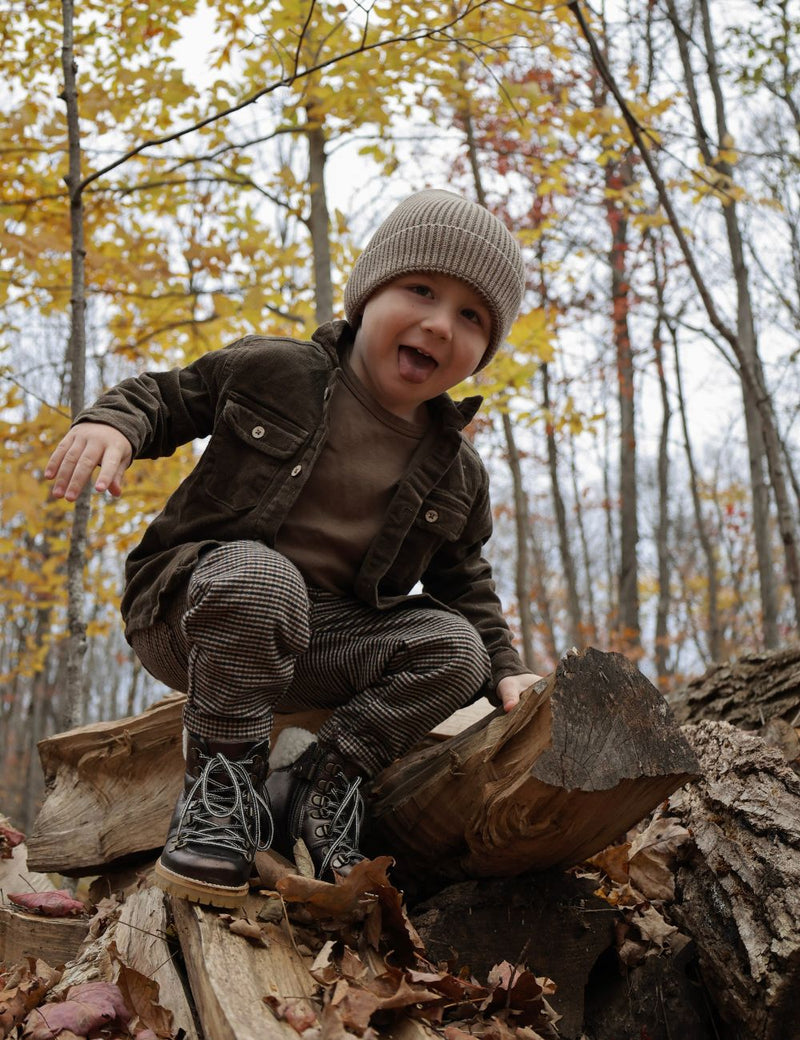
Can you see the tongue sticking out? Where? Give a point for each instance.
(413, 365)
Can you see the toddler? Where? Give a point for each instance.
(279, 575)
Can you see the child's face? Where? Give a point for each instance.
(419, 335)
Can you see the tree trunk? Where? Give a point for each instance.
(522, 570)
(319, 223)
(575, 629)
(619, 176)
(663, 528)
(713, 624)
(76, 558)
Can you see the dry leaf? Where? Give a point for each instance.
(249, 930)
(347, 899)
(10, 837)
(24, 987)
(652, 857)
(89, 1006)
(140, 994)
(51, 904)
(297, 1013)
(613, 861)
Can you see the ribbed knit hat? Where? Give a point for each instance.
(442, 233)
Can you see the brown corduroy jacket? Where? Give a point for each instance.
(263, 402)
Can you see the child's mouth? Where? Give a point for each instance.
(415, 365)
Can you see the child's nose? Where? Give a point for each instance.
(439, 321)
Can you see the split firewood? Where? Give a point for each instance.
(15, 875)
(231, 977)
(739, 891)
(55, 940)
(111, 788)
(587, 753)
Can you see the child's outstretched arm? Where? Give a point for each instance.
(86, 446)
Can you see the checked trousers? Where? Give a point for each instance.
(247, 638)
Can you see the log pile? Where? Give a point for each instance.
(579, 868)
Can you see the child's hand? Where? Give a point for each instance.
(509, 688)
(85, 446)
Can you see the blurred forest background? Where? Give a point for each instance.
(176, 175)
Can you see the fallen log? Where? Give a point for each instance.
(747, 692)
(586, 754)
(739, 891)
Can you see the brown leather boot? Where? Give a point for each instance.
(221, 818)
(317, 798)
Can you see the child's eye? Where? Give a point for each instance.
(421, 289)
(473, 315)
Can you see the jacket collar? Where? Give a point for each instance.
(336, 337)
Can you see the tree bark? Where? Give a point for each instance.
(739, 892)
(747, 692)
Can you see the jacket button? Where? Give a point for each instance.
(258, 432)
(432, 516)
(297, 471)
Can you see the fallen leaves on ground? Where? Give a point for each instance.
(22, 988)
(638, 877)
(378, 972)
(50, 904)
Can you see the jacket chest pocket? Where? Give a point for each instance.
(442, 517)
(247, 453)
(440, 521)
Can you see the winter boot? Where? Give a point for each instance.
(316, 797)
(221, 818)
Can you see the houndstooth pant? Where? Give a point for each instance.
(249, 638)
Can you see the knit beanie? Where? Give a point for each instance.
(441, 233)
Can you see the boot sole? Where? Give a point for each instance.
(199, 891)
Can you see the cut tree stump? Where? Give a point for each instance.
(739, 893)
(586, 754)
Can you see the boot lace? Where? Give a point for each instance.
(223, 808)
(342, 808)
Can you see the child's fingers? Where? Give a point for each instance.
(76, 468)
(115, 462)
